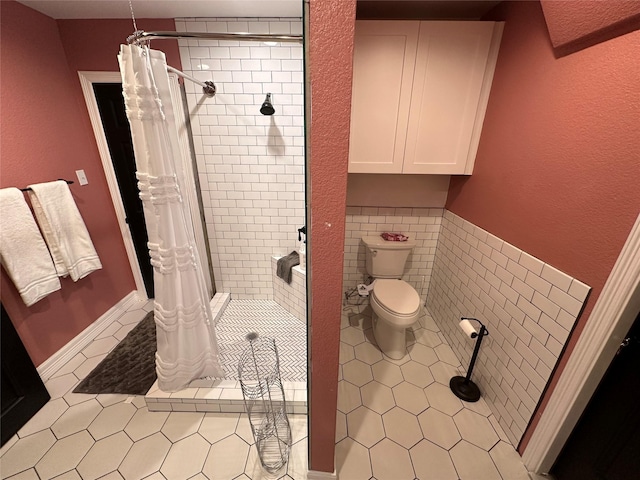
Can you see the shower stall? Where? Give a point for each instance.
(248, 144)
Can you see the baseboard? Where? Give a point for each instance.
(315, 475)
(56, 361)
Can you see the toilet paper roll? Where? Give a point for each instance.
(468, 328)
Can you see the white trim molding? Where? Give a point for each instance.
(59, 359)
(611, 318)
(87, 79)
(316, 475)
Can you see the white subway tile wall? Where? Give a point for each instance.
(528, 306)
(292, 297)
(250, 166)
(420, 224)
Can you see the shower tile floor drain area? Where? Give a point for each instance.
(239, 318)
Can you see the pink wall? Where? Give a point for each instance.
(94, 44)
(45, 137)
(330, 58)
(559, 158)
(577, 24)
(46, 134)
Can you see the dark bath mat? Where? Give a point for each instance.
(129, 368)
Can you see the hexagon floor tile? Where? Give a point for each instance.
(401, 427)
(65, 455)
(432, 462)
(378, 397)
(442, 398)
(365, 426)
(408, 430)
(186, 458)
(226, 458)
(475, 429)
(153, 449)
(357, 372)
(439, 428)
(348, 397)
(352, 460)
(387, 373)
(391, 462)
(473, 463)
(105, 456)
(417, 374)
(410, 397)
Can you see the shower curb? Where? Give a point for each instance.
(219, 395)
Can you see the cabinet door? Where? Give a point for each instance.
(383, 63)
(450, 69)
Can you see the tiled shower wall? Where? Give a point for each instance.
(420, 224)
(250, 166)
(528, 306)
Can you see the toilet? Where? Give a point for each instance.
(395, 303)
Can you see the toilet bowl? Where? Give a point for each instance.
(396, 307)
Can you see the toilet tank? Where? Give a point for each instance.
(385, 259)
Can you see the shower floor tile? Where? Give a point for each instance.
(267, 319)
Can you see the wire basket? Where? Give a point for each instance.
(265, 404)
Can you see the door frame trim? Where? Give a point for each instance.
(87, 79)
(611, 318)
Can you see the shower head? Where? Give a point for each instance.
(267, 108)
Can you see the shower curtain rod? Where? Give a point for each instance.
(142, 36)
(208, 87)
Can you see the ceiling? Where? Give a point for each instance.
(77, 9)
(60, 9)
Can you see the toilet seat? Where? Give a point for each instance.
(398, 300)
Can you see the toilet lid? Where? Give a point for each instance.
(397, 296)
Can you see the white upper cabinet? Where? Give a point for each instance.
(383, 66)
(420, 91)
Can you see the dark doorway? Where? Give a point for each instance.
(118, 134)
(23, 392)
(605, 444)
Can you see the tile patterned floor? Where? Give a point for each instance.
(397, 419)
(115, 437)
(268, 319)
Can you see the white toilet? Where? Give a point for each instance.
(395, 303)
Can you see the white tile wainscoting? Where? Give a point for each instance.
(420, 224)
(528, 306)
(250, 166)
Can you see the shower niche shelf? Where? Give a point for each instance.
(265, 403)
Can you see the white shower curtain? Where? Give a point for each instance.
(187, 346)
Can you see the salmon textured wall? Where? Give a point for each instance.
(330, 37)
(45, 136)
(559, 156)
(94, 44)
(577, 24)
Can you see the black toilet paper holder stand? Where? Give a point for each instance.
(463, 387)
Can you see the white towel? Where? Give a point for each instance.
(64, 230)
(22, 250)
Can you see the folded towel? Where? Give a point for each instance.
(64, 230)
(285, 264)
(22, 250)
(394, 237)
